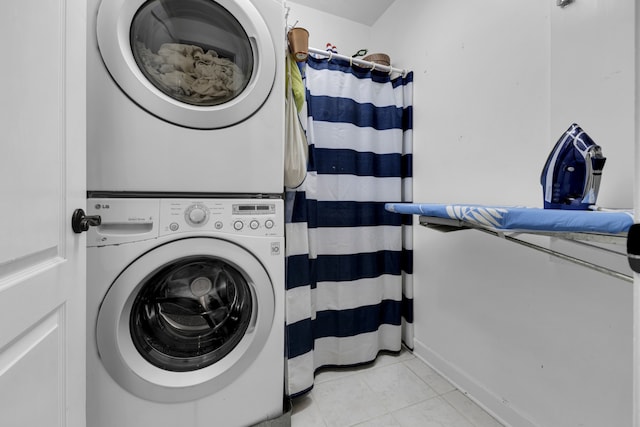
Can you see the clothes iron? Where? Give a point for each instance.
(571, 175)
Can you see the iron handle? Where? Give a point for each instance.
(81, 222)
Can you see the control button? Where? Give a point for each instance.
(254, 224)
(275, 248)
(196, 214)
(238, 225)
(218, 225)
(174, 226)
(269, 223)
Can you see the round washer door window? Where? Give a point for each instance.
(190, 313)
(188, 316)
(201, 64)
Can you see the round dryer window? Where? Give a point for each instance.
(202, 64)
(190, 315)
(194, 51)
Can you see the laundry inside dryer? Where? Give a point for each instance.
(189, 56)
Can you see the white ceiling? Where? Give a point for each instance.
(364, 11)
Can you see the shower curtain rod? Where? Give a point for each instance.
(360, 62)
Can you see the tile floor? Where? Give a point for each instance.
(394, 391)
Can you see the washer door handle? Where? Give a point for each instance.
(81, 222)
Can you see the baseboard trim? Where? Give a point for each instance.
(498, 407)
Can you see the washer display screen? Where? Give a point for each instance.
(190, 313)
(194, 51)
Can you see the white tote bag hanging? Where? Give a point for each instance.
(296, 147)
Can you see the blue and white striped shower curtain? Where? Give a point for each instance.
(349, 262)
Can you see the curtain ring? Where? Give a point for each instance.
(390, 70)
(351, 61)
(330, 55)
(373, 66)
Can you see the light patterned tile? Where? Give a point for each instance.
(383, 359)
(383, 421)
(330, 374)
(347, 401)
(428, 375)
(435, 412)
(306, 413)
(384, 394)
(397, 386)
(470, 410)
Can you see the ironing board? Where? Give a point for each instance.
(600, 226)
(505, 218)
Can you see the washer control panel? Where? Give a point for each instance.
(257, 217)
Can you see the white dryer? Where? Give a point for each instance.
(185, 312)
(185, 96)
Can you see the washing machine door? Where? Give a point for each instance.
(185, 319)
(201, 64)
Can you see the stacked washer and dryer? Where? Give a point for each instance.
(185, 297)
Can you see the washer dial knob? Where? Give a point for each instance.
(197, 215)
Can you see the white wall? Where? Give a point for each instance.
(593, 76)
(348, 36)
(536, 341)
(480, 94)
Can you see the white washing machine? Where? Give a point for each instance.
(185, 96)
(185, 312)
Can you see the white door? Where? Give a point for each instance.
(42, 180)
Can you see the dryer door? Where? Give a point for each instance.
(185, 319)
(201, 64)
